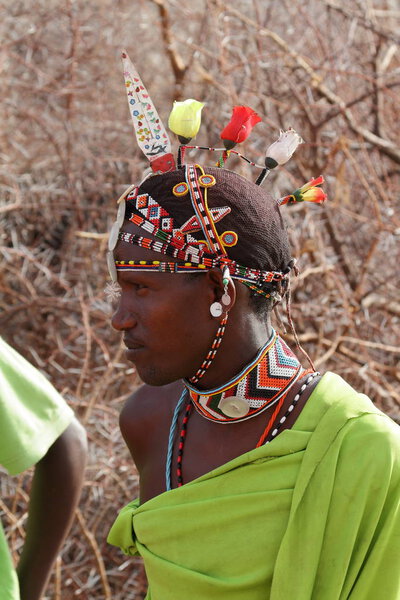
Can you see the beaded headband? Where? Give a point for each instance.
(181, 241)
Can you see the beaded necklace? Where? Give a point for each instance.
(262, 383)
(266, 437)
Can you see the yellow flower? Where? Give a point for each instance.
(185, 119)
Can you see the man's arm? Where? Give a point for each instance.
(56, 488)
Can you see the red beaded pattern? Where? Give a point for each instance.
(263, 439)
(182, 437)
(213, 351)
(244, 274)
(202, 211)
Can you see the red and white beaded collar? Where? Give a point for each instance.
(257, 387)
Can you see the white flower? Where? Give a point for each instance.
(280, 151)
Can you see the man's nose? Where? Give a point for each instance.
(123, 319)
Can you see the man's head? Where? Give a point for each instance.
(166, 315)
(211, 218)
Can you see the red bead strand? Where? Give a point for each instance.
(181, 444)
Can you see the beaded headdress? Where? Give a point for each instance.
(204, 217)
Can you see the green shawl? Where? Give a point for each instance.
(314, 515)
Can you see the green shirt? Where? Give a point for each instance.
(32, 416)
(314, 515)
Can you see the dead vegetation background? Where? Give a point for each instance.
(330, 69)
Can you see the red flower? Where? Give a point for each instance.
(309, 192)
(239, 127)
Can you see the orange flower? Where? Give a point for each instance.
(309, 192)
(239, 127)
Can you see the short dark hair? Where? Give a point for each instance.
(254, 216)
(260, 305)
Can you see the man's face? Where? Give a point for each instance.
(165, 318)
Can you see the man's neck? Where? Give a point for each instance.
(241, 342)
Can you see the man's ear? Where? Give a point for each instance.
(218, 291)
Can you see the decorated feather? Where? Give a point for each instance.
(150, 132)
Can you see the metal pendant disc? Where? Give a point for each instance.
(113, 237)
(112, 269)
(226, 299)
(121, 213)
(216, 309)
(234, 406)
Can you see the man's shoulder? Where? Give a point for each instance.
(350, 426)
(376, 435)
(145, 421)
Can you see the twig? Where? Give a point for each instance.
(385, 146)
(178, 66)
(364, 21)
(99, 559)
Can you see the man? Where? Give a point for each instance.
(37, 428)
(265, 480)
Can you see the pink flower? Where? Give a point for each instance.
(309, 192)
(239, 127)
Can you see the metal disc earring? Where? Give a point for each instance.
(216, 309)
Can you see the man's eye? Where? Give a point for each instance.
(139, 286)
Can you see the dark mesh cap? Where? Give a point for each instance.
(255, 216)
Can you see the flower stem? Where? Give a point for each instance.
(263, 175)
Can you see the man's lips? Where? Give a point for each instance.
(133, 344)
(134, 349)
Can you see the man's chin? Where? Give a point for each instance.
(155, 377)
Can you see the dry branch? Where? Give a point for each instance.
(67, 155)
(385, 146)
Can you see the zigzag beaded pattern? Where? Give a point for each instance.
(272, 435)
(165, 237)
(155, 219)
(190, 257)
(266, 379)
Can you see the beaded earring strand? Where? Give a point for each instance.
(226, 299)
(212, 352)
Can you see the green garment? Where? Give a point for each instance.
(313, 515)
(32, 416)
